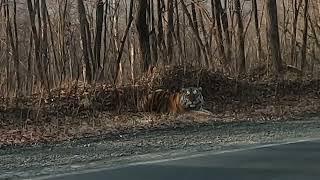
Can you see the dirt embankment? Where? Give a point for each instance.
(77, 112)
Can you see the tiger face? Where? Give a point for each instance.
(191, 98)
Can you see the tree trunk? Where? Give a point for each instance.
(55, 63)
(240, 39)
(206, 43)
(225, 24)
(123, 40)
(218, 33)
(305, 36)
(198, 39)
(84, 39)
(132, 59)
(257, 29)
(170, 31)
(105, 29)
(160, 36)
(273, 36)
(29, 83)
(318, 19)
(178, 32)
(115, 39)
(62, 10)
(44, 45)
(36, 39)
(143, 33)
(153, 36)
(7, 56)
(196, 26)
(14, 46)
(97, 41)
(296, 8)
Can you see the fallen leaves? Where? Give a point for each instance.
(90, 111)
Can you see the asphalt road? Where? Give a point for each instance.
(91, 154)
(294, 160)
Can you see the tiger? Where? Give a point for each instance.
(165, 101)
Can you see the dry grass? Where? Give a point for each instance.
(91, 111)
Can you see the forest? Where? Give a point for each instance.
(65, 59)
(48, 44)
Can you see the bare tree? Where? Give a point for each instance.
(198, 39)
(225, 24)
(153, 36)
(99, 25)
(257, 28)
(196, 27)
(87, 72)
(124, 40)
(305, 36)
(29, 83)
(296, 8)
(36, 38)
(105, 29)
(170, 31)
(206, 42)
(216, 12)
(7, 49)
(160, 36)
(178, 32)
(44, 42)
(240, 38)
(62, 41)
(273, 36)
(14, 44)
(143, 33)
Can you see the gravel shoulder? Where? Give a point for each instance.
(98, 152)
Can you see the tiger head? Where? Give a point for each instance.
(191, 98)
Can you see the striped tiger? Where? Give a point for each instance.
(164, 101)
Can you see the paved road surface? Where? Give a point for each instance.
(298, 160)
(103, 152)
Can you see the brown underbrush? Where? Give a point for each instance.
(79, 111)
